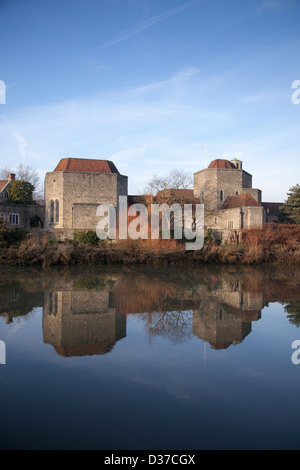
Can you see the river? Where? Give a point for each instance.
(148, 358)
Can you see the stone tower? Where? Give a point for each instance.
(223, 178)
(75, 189)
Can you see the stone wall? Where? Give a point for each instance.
(78, 195)
(81, 322)
(209, 183)
(254, 192)
(26, 215)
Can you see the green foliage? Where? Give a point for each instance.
(10, 237)
(209, 238)
(291, 207)
(20, 192)
(87, 237)
(293, 311)
(89, 284)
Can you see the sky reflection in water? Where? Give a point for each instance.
(149, 358)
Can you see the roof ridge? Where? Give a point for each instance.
(87, 165)
(245, 199)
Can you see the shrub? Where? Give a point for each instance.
(86, 237)
(10, 237)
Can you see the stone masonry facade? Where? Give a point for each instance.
(76, 187)
(73, 192)
(231, 204)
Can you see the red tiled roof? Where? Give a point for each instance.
(83, 349)
(240, 201)
(219, 163)
(139, 199)
(86, 165)
(179, 194)
(3, 183)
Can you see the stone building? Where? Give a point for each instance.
(82, 322)
(4, 186)
(19, 215)
(230, 202)
(76, 187)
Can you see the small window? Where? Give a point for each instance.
(230, 224)
(52, 212)
(2, 217)
(6, 195)
(14, 219)
(216, 220)
(236, 193)
(53, 303)
(56, 211)
(221, 195)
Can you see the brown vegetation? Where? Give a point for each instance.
(273, 244)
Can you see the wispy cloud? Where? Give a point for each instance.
(177, 79)
(129, 33)
(252, 98)
(21, 142)
(276, 4)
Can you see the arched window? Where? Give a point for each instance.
(236, 193)
(221, 195)
(52, 212)
(56, 211)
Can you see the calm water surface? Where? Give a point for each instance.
(149, 358)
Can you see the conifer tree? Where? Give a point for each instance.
(291, 207)
(20, 192)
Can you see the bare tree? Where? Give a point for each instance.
(175, 187)
(176, 179)
(26, 173)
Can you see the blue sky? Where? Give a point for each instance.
(153, 85)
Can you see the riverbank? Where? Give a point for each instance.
(272, 246)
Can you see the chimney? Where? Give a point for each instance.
(237, 163)
(11, 176)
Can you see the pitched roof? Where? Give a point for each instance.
(86, 165)
(219, 163)
(181, 194)
(139, 199)
(240, 201)
(3, 183)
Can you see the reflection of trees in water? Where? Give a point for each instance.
(167, 289)
(293, 312)
(177, 326)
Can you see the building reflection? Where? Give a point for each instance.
(228, 318)
(91, 321)
(85, 313)
(81, 323)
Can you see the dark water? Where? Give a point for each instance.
(185, 358)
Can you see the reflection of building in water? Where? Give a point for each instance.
(17, 302)
(223, 324)
(78, 323)
(220, 312)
